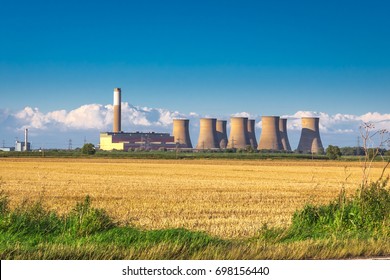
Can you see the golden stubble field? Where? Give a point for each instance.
(226, 198)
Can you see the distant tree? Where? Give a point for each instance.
(333, 152)
(88, 149)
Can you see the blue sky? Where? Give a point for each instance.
(213, 58)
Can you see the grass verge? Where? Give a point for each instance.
(355, 227)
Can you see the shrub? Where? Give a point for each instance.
(85, 220)
(367, 212)
(88, 149)
(333, 152)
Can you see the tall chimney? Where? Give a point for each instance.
(117, 110)
(181, 132)
(310, 141)
(25, 140)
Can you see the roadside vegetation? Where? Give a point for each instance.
(355, 227)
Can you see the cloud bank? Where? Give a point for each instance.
(338, 129)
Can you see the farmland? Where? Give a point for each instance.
(223, 198)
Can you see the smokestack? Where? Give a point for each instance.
(181, 132)
(117, 110)
(25, 140)
(238, 137)
(208, 138)
(310, 141)
(283, 134)
(251, 134)
(221, 134)
(270, 135)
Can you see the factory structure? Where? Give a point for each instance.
(213, 134)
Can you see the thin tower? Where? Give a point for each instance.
(117, 110)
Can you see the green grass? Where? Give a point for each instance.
(354, 227)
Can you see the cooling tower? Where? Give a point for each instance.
(270, 135)
(117, 110)
(221, 134)
(310, 141)
(251, 134)
(238, 138)
(181, 132)
(208, 138)
(283, 134)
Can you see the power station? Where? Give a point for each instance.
(119, 140)
(212, 134)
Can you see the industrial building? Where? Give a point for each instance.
(133, 140)
(21, 146)
(119, 140)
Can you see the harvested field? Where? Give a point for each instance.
(226, 198)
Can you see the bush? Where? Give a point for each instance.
(88, 149)
(367, 212)
(333, 152)
(85, 220)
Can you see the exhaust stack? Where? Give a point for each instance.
(208, 138)
(310, 141)
(181, 132)
(270, 134)
(221, 133)
(25, 148)
(283, 134)
(117, 110)
(238, 138)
